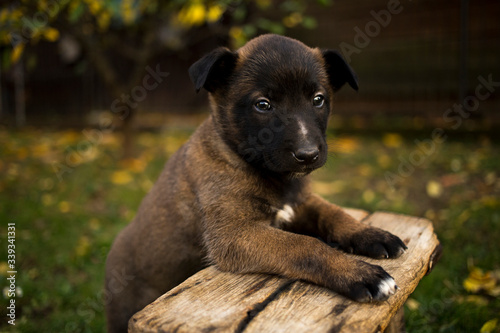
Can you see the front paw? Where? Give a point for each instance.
(369, 283)
(374, 243)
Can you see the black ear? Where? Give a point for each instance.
(339, 72)
(212, 71)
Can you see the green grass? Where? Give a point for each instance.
(65, 225)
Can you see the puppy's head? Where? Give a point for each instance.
(271, 100)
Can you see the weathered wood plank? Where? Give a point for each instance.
(224, 302)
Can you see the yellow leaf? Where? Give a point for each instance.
(51, 34)
(264, 4)
(103, 20)
(64, 207)
(17, 52)
(94, 224)
(434, 189)
(292, 20)
(392, 140)
(47, 199)
(192, 15)
(328, 188)
(214, 13)
(16, 14)
(430, 214)
(95, 6)
(489, 326)
(134, 165)
(490, 201)
(412, 304)
(490, 178)
(121, 177)
(365, 170)
(146, 185)
(22, 153)
(40, 149)
(4, 14)
(479, 281)
(3, 268)
(455, 165)
(384, 161)
(368, 196)
(33, 273)
(346, 145)
(83, 246)
(237, 35)
(67, 138)
(477, 300)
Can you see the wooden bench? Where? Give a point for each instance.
(214, 301)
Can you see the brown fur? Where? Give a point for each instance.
(222, 199)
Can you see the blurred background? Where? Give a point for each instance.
(95, 96)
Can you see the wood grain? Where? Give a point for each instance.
(214, 301)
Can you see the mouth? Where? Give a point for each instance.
(297, 175)
(301, 172)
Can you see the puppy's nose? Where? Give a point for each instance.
(306, 155)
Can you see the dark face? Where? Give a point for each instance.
(281, 108)
(271, 101)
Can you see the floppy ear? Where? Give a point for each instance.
(339, 72)
(212, 71)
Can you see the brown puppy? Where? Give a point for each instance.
(236, 194)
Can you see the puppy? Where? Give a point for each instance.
(237, 196)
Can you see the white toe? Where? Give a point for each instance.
(387, 287)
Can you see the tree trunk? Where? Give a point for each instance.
(19, 95)
(128, 133)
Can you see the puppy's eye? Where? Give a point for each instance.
(263, 106)
(318, 100)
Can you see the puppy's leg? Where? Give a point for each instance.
(126, 290)
(254, 247)
(330, 222)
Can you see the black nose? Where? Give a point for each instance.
(306, 155)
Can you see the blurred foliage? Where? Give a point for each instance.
(65, 223)
(26, 22)
(119, 38)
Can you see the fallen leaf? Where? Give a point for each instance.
(64, 207)
(365, 170)
(3, 268)
(94, 224)
(455, 165)
(328, 188)
(17, 52)
(345, 145)
(477, 300)
(384, 161)
(489, 326)
(412, 304)
(368, 196)
(434, 189)
(121, 177)
(478, 281)
(490, 178)
(134, 165)
(392, 140)
(47, 199)
(452, 179)
(83, 246)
